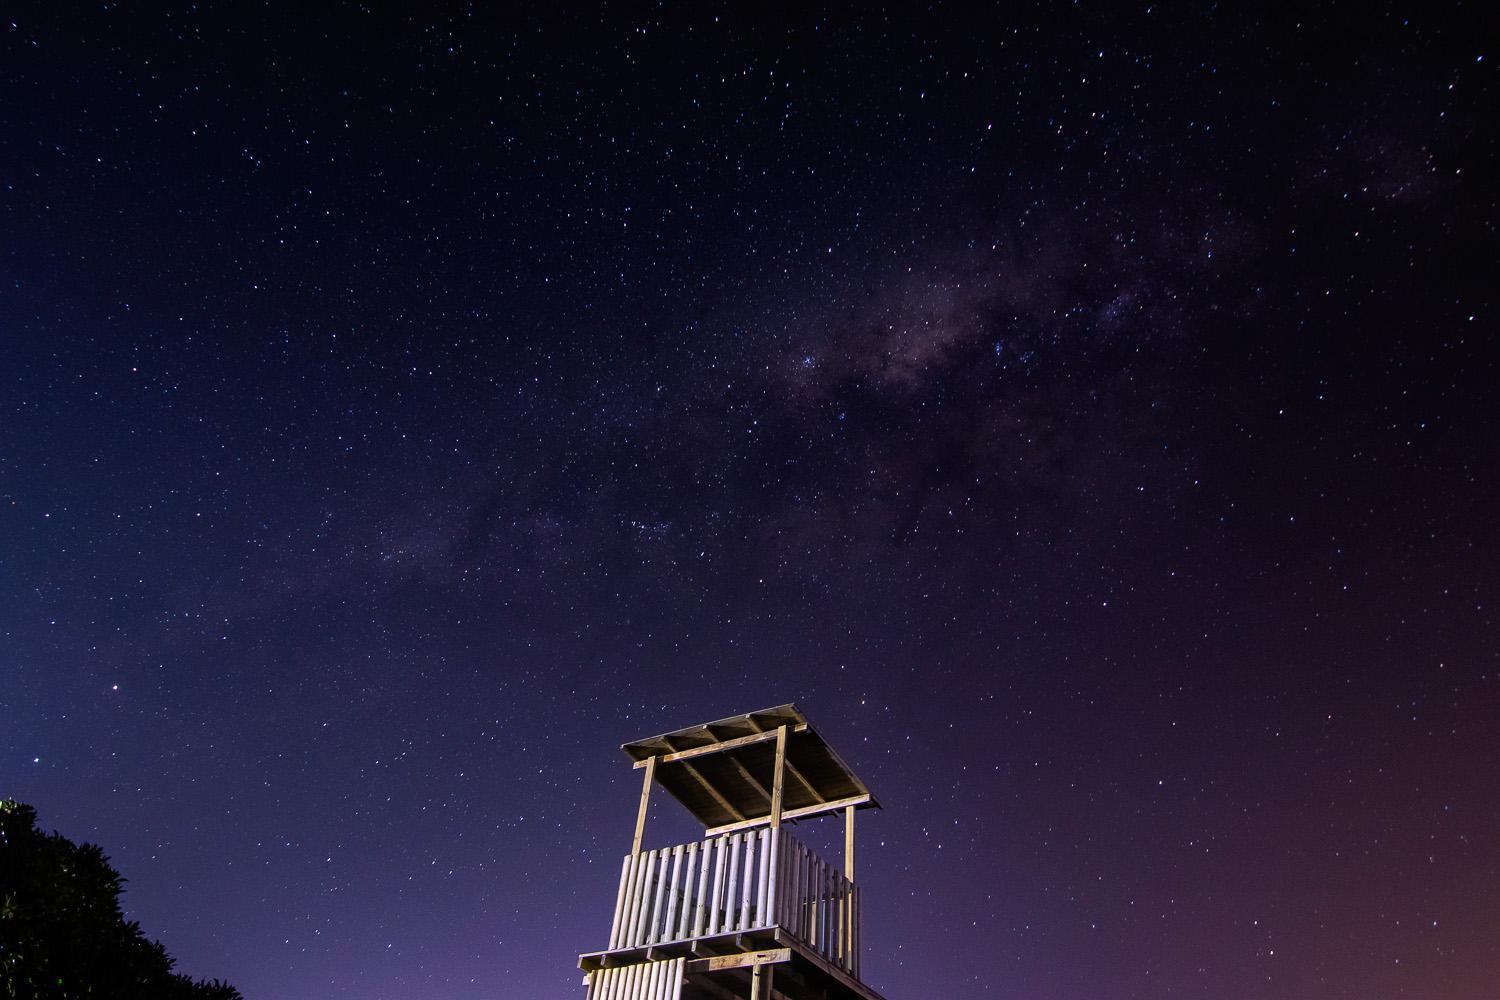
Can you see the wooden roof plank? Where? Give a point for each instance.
(708, 787)
(792, 769)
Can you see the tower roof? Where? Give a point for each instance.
(722, 771)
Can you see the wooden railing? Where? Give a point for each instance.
(733, 883)
(818, 904)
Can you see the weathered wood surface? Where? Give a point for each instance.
(643, 981)
(802, 812)
(738, 741)
(738, 882)
(743, 960)
(722, 771)
(820, 906)
(640, 816)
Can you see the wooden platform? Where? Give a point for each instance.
(719, 966)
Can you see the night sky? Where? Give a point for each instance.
(1087, 415)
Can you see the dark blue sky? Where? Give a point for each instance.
(1087, 416)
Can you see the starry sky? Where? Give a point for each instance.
(1085, 413)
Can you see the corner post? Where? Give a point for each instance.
(640, 816)
(778, 784)
(849, 843)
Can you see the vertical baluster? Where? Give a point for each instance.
(637, 889)
(773, 838)
(627, 927)
(854, 947)
(802, 861)
(700, 905)
(822, 907)
(843, 887)
(716, 898)
(669, 924)
(849, 925)
(833, 912)
(815, 879)
(675, 992)
(854, 929)
(747, 883)
(643, 910)
(794, 887)
(825, 931)
(730, 895)
(815, 901)
(652, 894)
(838, 917)
(788, 886)
(810, 895)
(659, 898)
(763, 886)
(828, 917)
(621, 898)
(685, 911)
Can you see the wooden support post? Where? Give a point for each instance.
(640, 816)
(849, 843)
(778, 786)
(761, 978)
(778, 783)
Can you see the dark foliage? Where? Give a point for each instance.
(62, 933)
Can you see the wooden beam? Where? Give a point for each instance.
(640, 816)
(849, 843)
(790, 814)
(716, 747)
(816, 958)
(792, 769)
(754, 783)
(778, 782)
(704, 783)
(743, 960)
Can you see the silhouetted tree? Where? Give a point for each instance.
(62, 933)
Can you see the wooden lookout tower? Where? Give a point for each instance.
(749, 912)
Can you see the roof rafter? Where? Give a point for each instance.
(708, 787)
(790, 767)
